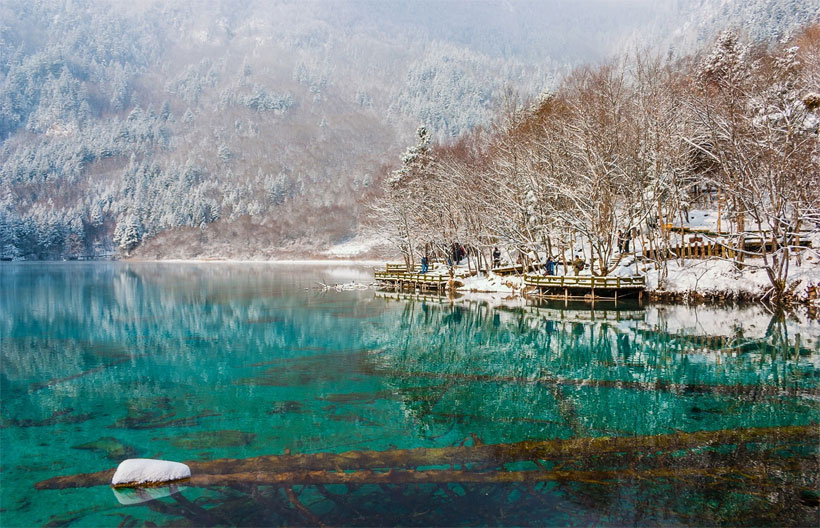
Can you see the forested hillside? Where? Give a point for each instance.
(195, 129)
(623, 151)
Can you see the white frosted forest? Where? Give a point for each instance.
(194, 130)
(640, 166)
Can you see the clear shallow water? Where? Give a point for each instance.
(106, 361)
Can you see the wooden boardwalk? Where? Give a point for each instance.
(516, 269)
(396, 277)
(573, 286)
(401, 280)
(698, 248)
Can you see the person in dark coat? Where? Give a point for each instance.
(424, 264)
(550, 266)
(496, 257)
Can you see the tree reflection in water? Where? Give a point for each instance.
(222, 365)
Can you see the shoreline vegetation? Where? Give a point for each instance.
(495, 284)
(491, 284)
(699, 174)
(685, 290)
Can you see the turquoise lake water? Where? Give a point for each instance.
(202, 362)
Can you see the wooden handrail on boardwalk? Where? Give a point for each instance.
(692, 251)
(518, 268)
(708, 249)
(415, 280)
(402, 268)
(584, 281)
(576, 286)
(405, 276)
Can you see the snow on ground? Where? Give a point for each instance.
(626, 268)
(148, 470)
(706, 277)
(704, 219)
(716, 276)
(491, 282)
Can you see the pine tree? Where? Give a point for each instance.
(128, 234)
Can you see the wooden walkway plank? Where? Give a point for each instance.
(574, 286)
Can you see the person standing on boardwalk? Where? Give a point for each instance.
(550, 266)
(424, 264)
(577, 264)
(496, 257)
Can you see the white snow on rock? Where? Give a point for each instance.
(147, 470)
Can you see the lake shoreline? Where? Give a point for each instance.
(689, 297)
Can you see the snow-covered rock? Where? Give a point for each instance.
(135, 471)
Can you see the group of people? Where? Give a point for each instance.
(456, 254)
(550, 266)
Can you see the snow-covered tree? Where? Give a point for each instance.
(128, 233)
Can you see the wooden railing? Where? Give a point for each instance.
(692, 251)
(518, 268)
(584, 281)
(404, 276)
(397, 268)
(700, 249)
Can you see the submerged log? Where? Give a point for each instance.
(739, 390)
(330, 467)
(445, 476)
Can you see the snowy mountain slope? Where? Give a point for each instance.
(181, 127)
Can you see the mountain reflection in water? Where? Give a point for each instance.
(217, 362)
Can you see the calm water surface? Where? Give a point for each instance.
(102, 362)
